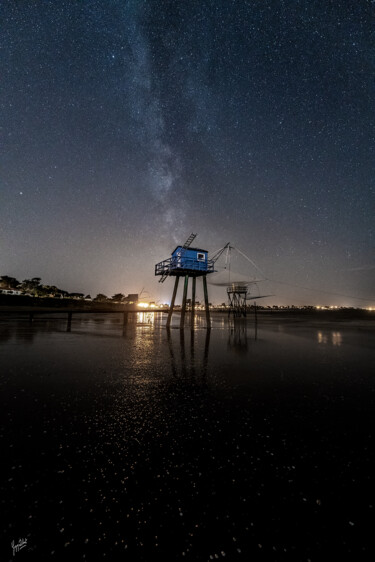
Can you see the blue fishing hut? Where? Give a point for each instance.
(186, 262)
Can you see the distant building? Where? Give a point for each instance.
(132, 298)
(10, 292)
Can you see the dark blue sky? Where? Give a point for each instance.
(127, 125)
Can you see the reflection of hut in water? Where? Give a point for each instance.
(238, 337)
(186, 363)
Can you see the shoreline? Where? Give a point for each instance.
(350, 318)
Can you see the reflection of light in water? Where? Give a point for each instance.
(144, 347)
(336, 338)
(322, 338)
(145, 318)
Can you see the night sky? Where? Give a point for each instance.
(127, 125)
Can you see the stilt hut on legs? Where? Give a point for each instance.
(186, 262)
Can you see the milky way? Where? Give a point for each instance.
(126, 126)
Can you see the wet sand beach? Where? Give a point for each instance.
(131, 442)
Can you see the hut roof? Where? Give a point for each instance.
(189, 248)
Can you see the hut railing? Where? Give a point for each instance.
(183, 264)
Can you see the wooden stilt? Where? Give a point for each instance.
(192, 355)
(208, 320)
(193, 303)
(173, 359)
(183, 353)
(183, 309)
(205, 355)
(170, 312)
(125, 318)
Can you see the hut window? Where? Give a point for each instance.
(200, 257)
